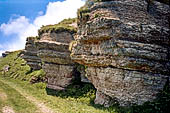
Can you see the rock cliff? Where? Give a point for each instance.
(30, 54)
(53, 49)
(125, 48)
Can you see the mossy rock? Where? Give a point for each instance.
(64, 25)
(33, 38)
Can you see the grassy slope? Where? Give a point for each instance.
(76, 99)
(62, 103)
(18, 67)
(15, 100)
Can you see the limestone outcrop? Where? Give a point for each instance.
(30, 54)
(125, 48)
(53, 49)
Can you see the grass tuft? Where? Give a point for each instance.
(64, 25)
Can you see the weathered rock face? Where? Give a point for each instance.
(54, 51)
(30, 54)
(53, 36)
(125, 48)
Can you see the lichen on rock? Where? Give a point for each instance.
(126, 49)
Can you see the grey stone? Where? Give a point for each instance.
(30, 54)
(125, 48)
(53, 49)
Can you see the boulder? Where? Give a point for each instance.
(125, 48)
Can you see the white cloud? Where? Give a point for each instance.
(57, 11)
(21, 26)
(22, 29)
(15, 26)
(40, 13)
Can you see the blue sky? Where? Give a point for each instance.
(22, 18)
(28, 8)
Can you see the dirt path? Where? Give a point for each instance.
(40, 105)
(7, 109)
(3, 95)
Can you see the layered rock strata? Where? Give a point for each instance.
(125, 48)
(54, 51)
(30, 54)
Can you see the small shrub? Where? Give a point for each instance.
(40, 85)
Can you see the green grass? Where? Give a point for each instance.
(74, 100)
(15, 100)
(18, 68)
(15, 69)
(77, 98)
(33, 38)
(62, 26)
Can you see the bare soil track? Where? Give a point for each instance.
(40, 105)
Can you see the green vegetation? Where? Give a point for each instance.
(64, 25)
(16, 67)
(83, 12)
(15, 100)
(83, 15)
(33, 38)
(77, 98)
(83, 9)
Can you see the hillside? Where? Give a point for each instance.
(78, 99)
(15, 67)
(79, 96)
(113, 58)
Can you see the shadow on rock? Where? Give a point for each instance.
(74, 91)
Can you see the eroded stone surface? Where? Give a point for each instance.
(128, 87)
(30, 54)
(125, 48)
(59, 76)
(52, 36)
(53, 49)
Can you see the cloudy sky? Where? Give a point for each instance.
(22, 18)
